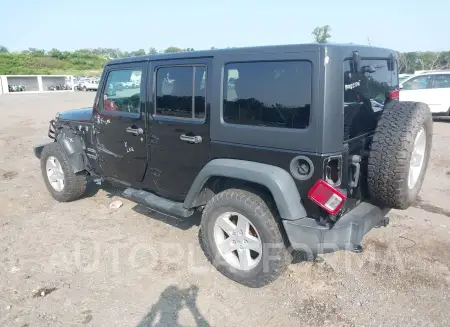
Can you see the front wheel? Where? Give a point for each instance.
(242, 239)
(63, 184)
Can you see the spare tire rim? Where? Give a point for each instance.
(55, 173)
(237, 240)
(417, 158)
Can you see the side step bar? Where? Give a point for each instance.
(157, 203)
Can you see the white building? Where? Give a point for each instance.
(33, 83)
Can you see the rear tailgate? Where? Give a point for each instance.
(366, 91)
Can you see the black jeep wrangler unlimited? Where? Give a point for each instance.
(302, 147)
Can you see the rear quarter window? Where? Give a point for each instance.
(268, 94)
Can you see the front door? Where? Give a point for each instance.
(119, 123)
(180, 125)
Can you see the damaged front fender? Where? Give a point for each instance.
(74, 147)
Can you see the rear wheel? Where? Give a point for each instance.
(399, 154)
(63, 184)
(241, 237)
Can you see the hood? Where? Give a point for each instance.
(82, 114)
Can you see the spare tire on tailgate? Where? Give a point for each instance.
(399, 154)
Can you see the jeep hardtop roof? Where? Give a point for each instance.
(321, 136)
(332, 49)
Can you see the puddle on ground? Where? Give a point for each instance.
(7, 175)
(430, 207)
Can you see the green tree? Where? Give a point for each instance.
(55, 53)
(322, 34)
(3, 49)
(139, 52)
(152, 51)
(173, 49)
(36, 52)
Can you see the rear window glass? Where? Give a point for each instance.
(365, 94)
(269, 93)
(371, 83)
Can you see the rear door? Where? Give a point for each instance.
(441, 90)
(119, 124)
(179, 132)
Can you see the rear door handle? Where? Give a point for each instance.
(191, 139)
(135, 131)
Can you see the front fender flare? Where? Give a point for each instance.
(277, 180)
(74, 147)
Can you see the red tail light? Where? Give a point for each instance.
(327, 197)
(394, 95)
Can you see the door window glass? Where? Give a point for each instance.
(181, 91)
(120, 93)
(441, 81)
(417, 83)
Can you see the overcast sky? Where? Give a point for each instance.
(199, 24)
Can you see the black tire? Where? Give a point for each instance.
(391, 151)
(74, 184)
(263, 218)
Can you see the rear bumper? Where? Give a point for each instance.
(306, 235)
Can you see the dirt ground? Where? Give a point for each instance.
(84, 264)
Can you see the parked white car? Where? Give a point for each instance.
(89, 85)
(404, 77)
(432, 88)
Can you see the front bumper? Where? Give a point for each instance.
(306, 235)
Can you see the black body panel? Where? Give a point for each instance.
(175, 161)
(121, 154)
(166, 165)
(278, 158)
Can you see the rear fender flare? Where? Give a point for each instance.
(277, 180)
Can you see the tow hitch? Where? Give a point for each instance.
(383, 222)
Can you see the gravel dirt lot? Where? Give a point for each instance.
(84, 264)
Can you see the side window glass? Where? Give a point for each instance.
(181, 91)
(441, 81)
(417, 83)
(121, 95)
(200, 92)
(270, 94)
(233, 75)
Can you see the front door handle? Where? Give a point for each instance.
(191, 139)
(135, 131)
